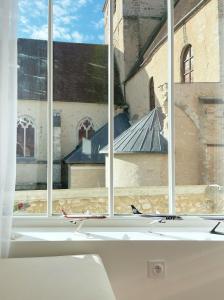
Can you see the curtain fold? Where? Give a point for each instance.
(8, 115)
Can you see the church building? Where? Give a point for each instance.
(140, 40)
(141, 116)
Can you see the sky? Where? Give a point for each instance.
(79, 21)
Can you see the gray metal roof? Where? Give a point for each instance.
(97, 142)
(144, 136)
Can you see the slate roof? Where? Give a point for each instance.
(143, 137)
(98, 141)
(80, 72)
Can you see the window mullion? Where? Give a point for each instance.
(24, 141)
(171, 109)
(111, 111)
(50, 108)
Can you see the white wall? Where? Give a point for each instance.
(71, 113)
(195, 269)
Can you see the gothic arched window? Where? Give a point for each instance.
(187, 64)
(152, 104)
(85, 129)
(25, 137)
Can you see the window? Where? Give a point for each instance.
(152, 169)
(187, 64)
(85, 129)
(25, 137)
(151, 94)
(32, 112)
(115, 6)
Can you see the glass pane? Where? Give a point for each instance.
(199, 109)
(187, 78)
(20, 141)
(140, 158)
(30, 143)
(80, 107)
(31, 179)
(187, 66)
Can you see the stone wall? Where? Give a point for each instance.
(33, 172)
(190, 200)
(86, 176)
(70, 113)
(205, 40)
(199, 127)
(133, 21)
(139, 169)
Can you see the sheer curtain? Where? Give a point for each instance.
(8, 111)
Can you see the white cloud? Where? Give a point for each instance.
(99, 24)
(39, 33)
(98, 7)
(33, 20)
(24, 20)
(41, 6)
(82, 2)
(101, 37)
(61, 33)
(59, 11)
(66, 20)
(23, 5)
(77, 37)
(65, 3)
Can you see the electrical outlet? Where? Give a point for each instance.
(156, 269)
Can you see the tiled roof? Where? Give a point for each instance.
(97, 142)
(144, 136)
(80, 72)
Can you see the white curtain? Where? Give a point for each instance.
(8, 112)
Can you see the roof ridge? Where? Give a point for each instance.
(147, 131)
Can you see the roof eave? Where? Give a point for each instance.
(86, 163)
(138, 152)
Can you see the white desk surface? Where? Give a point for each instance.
(54, 278)
(117, 234)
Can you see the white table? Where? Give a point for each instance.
(54, 278)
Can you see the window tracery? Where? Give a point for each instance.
(25, 137)
(85, 129)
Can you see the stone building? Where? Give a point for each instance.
(80, 106)
(80, 99)
(140, 40)
(86, 164)
(140, 153)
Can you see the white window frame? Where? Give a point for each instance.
(171, 155)
(49, 219)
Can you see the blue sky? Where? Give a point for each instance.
(79, 21)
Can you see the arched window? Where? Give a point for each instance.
(152, 104)
(25, 137)
(115, 6)
(85, 129)
(187, 64)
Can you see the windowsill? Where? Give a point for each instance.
(114, 229)
(108, 234)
